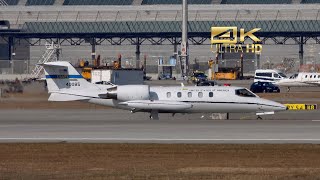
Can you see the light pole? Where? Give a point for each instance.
(184, 40)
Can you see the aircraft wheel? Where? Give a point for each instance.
(288, 89)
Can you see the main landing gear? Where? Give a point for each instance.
(154, 115)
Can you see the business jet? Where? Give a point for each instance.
(300, 80)
(66, 84)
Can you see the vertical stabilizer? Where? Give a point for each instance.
(62, 76)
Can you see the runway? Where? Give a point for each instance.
(116, 126)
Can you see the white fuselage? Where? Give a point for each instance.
(66, 84)
(300, 80)
(214, 99)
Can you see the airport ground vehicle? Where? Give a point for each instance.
(264, 87)
(198, 76)
(268, 75)
(207, 83)
(226, 73)
(86, 73)
(146, 78)
(164, 76)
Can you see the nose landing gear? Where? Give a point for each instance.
(288, 89)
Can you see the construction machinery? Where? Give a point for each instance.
(227, 74)
(86, 67)
(102, 73)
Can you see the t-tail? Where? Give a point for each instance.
(65, 83)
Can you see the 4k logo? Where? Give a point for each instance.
(229, 35)
(226, 39)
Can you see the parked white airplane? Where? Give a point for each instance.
(300, 80)
(66, 84)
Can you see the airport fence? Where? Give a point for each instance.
(288, 64)
(15, 67)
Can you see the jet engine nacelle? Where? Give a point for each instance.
(129, 92)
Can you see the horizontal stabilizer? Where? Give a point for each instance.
(157, 105)
(65, 97)
(53, 64)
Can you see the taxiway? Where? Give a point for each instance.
(117, 126)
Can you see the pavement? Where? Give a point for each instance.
(117, 126)
(30, 118)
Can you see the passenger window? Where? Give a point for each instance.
(318, 76)
(306, 76)
(179, 94)
(210, 94)
(200, 94)
(168, 94)
(314, 76)
(189, 94)
(310, 76)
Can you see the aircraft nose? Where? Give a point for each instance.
(283, 107)
(280, 107)
(275, 106)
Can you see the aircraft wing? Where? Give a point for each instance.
(315, 83)
(264, 113)
(157, 105)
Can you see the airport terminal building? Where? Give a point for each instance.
(290, 31)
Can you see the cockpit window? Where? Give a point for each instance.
(294, 76)
(282, 75)
(244, 93)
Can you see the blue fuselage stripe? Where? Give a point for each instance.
(63, 76)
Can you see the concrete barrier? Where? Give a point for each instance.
(297, 107)
(11, 77)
